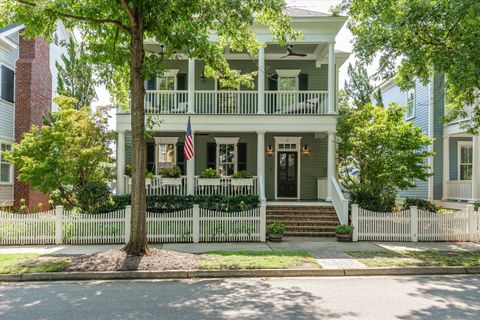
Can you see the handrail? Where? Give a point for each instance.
(340, 203)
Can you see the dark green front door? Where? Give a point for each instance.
(287, 174)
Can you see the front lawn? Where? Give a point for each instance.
(222, 260)
(417, 258)
(30, 263)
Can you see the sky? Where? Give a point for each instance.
(343, 43)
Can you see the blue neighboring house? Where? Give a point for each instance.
(456, 164)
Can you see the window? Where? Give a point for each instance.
(227, 155)
(5, 167)
(7, 79)
(166, 83)
(287, 84)
(166, 156)
(465, 160)
(410, 112)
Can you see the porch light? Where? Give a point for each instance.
(269, 151)
(305, 151)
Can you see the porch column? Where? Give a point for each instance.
(191, 85)
(261, 162)
(120, 162)
(446, 166)
(261, 80)
(476, 169)
(191, 170)
(331, 77)
(331, 156)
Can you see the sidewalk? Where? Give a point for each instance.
(329, 253)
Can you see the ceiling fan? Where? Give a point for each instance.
(291, 53)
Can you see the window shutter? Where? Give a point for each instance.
(151, 156)
(303, 81)
(8, 84)
(152, 83)
(181, 158)
(212, 155)
(273, 82)
(272, 86)
(181, 81)
(242, 156)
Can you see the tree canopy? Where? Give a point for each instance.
(416, 38)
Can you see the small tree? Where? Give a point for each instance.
(69, 150)
(75, 75)
(380, 153)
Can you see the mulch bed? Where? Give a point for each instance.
(118, 260)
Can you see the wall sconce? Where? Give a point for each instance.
(305, 151)
(269, 151)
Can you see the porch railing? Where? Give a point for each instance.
(340, 203)
(459, 190)
(237, 102)
(226, 102)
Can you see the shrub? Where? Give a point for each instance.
(149, 175)
(374, 201)
(344, 228)
(276, 227)
(241, 175)
(174, 172)
(422, 204)
(94, 197)
(209, 173)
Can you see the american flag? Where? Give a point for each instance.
(188, 146)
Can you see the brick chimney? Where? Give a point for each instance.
(33, 98)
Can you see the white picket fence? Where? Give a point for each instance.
(191, 225)
(415, 225)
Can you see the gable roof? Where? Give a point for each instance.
(5, 29)
(296, 12)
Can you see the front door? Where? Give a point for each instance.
(287, 174)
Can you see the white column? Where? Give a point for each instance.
(261, 80)
(191, 170)
(446, 166)
(331, 77)
(191, 85)
(476, 169)
(260, 160)
(120, 162)
(331, 156)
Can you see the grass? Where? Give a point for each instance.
(222, 260)
(428, 258)
(27, 263)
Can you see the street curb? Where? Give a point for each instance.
(264, 273)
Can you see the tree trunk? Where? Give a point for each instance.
(137, 244)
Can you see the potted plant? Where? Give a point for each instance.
(209, 177)
(148, 178)
(343, 232)
(127, 172)
(275, 231)
(172, 176)
(242, 178)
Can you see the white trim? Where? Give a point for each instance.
(288, 73)
(12, 31)
(288, 140)
(166, 141)
(170, 73)
(227, 140)
(460, 145)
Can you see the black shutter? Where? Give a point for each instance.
(8, 84)
(181, 81)
(181, 158)
(273, 82)
(152, 83)
(151, 156)
(212, 155)
(272, 86)
(242, 156)
(303, 81)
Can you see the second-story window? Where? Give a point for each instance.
(166, 83)
(465, 161)
(7, 87)
(5, 167)
(410, 112)
(287, 83)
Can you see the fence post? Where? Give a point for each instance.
(196, 223)
(355, 222)
(58, 224)
(263, 221)
(414, 223)
(472, 223)
(128, 219)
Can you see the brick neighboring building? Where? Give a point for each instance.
(28, 79)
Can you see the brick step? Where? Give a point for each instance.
(300, 213)
(309, 234)
(301, 217)
(300, 209)
(299, 224)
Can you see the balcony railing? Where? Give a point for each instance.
(459, 190)
(237, 102)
